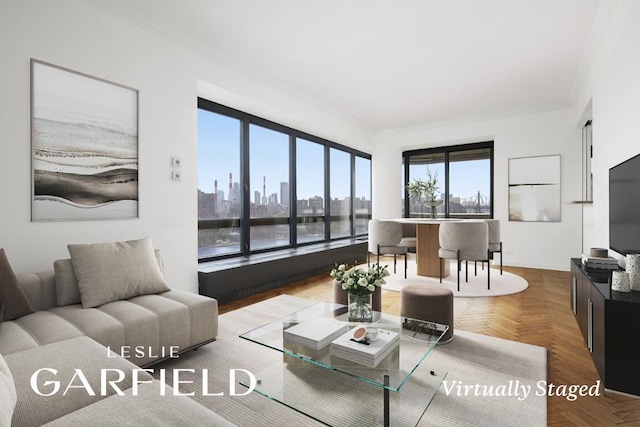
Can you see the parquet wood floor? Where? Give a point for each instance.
(541, 315)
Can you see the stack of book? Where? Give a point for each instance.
(608, 263)
(365, 353)
(315, 333)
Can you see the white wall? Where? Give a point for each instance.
(75, 35)
(615, 89)
(526, 244)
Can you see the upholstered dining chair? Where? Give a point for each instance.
(464, 240)
(495, 244)
(384, 239)
(409, 237)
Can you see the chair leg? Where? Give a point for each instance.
(459, 266)
(368, 259)
(466, 271)
(405, 264)
(440, 265)
(378, 255)
(394, 263)
(501, 258)
(488, 274)
(475, 268)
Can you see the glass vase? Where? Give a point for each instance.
(360, 309)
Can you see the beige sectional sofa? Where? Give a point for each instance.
(154, 322)
(63, 336)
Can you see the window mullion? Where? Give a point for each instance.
(245, 216)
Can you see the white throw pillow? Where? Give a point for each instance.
(108, 272)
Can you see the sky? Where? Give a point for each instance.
(219, 154)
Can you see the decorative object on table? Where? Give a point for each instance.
(84, 140)
(599, 252)
(602, 263)
(620, 281)
(633, 268)
(426, 192)
(359, 334)
(534, 189)
(360, 283)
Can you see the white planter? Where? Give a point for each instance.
(620, 281)
(633, 268)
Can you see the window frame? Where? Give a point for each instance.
(447, 150)
(245, 222)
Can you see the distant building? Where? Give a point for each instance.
(284, 193)
(256, 197)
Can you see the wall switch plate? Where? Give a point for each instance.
(176, 176)
(176, 162)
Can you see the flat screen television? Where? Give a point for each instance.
(624, 206)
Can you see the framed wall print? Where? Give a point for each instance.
(84, 143)
(534, 189)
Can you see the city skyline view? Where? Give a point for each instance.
(219, 156)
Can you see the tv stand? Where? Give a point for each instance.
(610, 325)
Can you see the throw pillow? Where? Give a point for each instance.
(67, 290)
(108, 272)
(13, 302)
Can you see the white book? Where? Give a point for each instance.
(315, 333)
(370, 354)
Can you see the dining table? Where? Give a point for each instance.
(428, 244)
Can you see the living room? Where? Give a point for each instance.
(171, 69)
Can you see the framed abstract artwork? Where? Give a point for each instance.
(534, 189)
(84, 144)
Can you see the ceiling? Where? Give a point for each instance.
(390, 64)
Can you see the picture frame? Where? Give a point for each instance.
(84, 146)
(534, 189)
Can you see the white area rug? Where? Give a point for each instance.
(505, 284)
(470, 359)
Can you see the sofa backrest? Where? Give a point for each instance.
(39, 288)
(8, 396)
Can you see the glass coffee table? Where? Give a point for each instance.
(339, 392)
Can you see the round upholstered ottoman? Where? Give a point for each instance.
(431, 303)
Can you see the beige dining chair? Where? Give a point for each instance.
(495, 244)
(384, 239)
(409, 235)
(464, 240)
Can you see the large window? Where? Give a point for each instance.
(219, 206)
(464, 175)
(340, 207)
(310, 182)
(264, 186)
(269, 172)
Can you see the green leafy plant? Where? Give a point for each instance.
(425, 190)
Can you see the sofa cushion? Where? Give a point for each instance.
(149, 407)
(66, 357)
(13, 302)
(116, 271)
(67, 290)
(8, 395)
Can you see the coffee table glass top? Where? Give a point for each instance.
(417, 339)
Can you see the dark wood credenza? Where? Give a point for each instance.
(610, 325)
